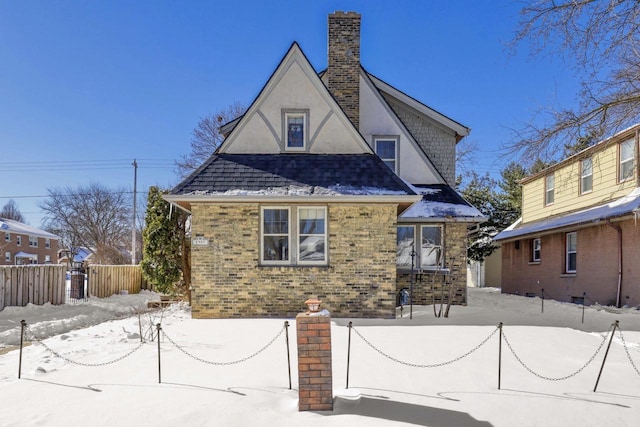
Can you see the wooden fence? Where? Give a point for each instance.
(35, 284)
(107, 280)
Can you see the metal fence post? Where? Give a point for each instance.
(584, 301)
(349, 352)
(286, 327)
(23, 325)
(159, 371)
(615, 326)
(542, 300)
(500, 356)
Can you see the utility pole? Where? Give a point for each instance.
(133, 229)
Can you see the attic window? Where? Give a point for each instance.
(387, 149)
(295, 131)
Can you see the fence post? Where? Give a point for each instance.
(500, 355)
(23, 325)
(615, 325)
(542, 300)
(584, 301)
(349, 352)
(286, 327)
(159, 371)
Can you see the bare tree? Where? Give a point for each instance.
(206, 138)
(601, 40)
(93, 217)
(12, 211)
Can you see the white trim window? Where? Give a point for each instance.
(18, 240)
(275, 235)
(312, 235)
(571, 252)
(293, 236)
(549, 189)
(535, 250)
(406, 241)
(47, 243)
(627, 155)
(387, 149)
(7, 237)
(295, 131)
(7, 256)
(33, 241)
(431, 254)
(586, 175)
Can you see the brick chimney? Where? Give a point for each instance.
(343, 69)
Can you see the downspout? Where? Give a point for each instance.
(618, 294)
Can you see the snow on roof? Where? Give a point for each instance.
(439, 201)
(629, 204)
(11, 226)
(306, 190)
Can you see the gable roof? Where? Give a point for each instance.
(460, 130)
(625, 206)
(294, 62)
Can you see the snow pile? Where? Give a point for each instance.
(200, 385)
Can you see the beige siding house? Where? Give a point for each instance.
(322, 188)
(577, 238)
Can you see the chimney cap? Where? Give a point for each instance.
(341, 13)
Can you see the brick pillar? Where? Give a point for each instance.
(314, 363)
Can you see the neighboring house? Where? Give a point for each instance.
(23, 244)
(578, 235)
(324, 187)
(81, 256)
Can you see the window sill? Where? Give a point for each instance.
(322, 266)
(567, 275)
(534, 262)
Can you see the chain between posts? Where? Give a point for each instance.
(415, 365)
(233, 362)
(626, 350)
(573, 374)
(66, 359)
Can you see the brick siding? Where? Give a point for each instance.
(429, 288)
(360, 280)
(596, 266)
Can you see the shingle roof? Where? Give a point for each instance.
(439, 201)
(353, 174)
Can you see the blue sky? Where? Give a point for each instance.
(88, 86)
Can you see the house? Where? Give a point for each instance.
(578, 235)
(81, 255)
(23, 244)
(326, 186)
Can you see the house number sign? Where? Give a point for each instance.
(200, 241)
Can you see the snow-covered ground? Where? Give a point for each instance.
(382, 392)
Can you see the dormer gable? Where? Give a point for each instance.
(294, 113)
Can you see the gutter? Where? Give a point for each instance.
(619, 291)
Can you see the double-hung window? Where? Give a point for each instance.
(627, 155)
(549, 189)
(535, 250)
(571, 252)
(18, 240)
(405, 252)
(387, 149)
(7, 237)
(295, 130)
(294, 236)
(47, 243)
(7, 256)
(33, 241)
(431, 254)
(586, 176)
